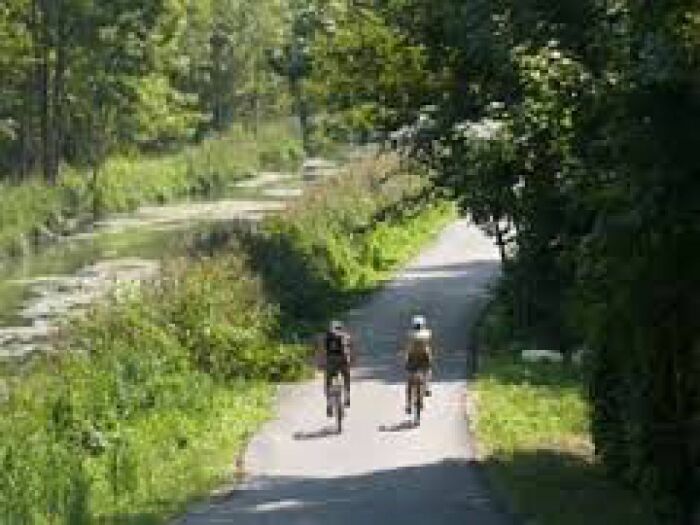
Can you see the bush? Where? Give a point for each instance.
(340, 240)
(151, 393)
(175, 355)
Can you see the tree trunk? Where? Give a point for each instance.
(26, 134)
(302, 113)
(44, 94)
(39, 90)
(57, 94)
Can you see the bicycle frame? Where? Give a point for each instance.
(335, 397)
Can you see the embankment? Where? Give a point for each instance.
(35, 213)
(159, 389)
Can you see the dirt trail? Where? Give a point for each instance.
(380, 470)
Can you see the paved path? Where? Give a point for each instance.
(380, 470)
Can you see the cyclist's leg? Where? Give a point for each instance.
(409, 388)
(327, 380)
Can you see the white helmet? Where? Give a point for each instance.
(336, 325)
(418, 322)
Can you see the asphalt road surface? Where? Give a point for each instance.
(380, 469)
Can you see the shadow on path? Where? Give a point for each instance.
(365, 498)
(327, 431)
(555, 486)
(398, 427)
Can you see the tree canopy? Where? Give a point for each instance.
(565, 129)
(84, 77)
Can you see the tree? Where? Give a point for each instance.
(565, 129)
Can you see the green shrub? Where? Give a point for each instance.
(341, 239)
(153, 392)
(170, 359)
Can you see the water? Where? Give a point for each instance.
(38, 290)
(66, 258)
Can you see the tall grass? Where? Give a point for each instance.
(152, 395)
(33, 211)
(341, 240)
(146, 404)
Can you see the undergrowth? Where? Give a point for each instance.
(532, 426)
(341, 241)
(153, 395)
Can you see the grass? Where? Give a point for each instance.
(34, 211)
(339, 242)
(532, 427)
(154, 394)
(181, 457)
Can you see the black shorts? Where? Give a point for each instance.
(418, 364)
(336, 364)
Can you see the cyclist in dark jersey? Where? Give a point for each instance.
(337, 347)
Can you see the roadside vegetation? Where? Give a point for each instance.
(338, 244)
(532, 424)
(531, 421)
(34, 212)
(151, 397)
(566, 129)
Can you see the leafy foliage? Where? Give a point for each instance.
(565, 129)
(89, 78)
(170, 372)
(152, 393)
(339, 241)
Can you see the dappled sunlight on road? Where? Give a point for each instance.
(382, 467)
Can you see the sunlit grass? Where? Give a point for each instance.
(532, 427)
(183, 456)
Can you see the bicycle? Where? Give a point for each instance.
(335, 401)
(416, 393)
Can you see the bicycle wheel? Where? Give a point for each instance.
(339, 413)
(418, 404)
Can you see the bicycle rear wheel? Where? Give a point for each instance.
(418, 404)
(339, 413)
(336, 392)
